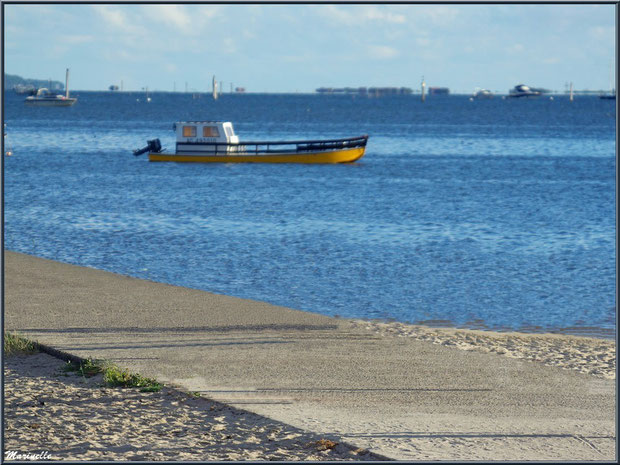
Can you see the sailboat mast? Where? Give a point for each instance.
(67, 84)
(214, 88)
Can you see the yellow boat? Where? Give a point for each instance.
(216, 142)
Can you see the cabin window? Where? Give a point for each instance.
(189, 131)
(210, 131)
(229, 131)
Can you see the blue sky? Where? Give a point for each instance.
(289, 48)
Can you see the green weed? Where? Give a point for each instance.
(86, 369)
(16, 344)
(115, 377)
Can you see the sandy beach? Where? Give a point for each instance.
(592, 356)
(77, 418)
(401, 391)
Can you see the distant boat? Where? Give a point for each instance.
(44, 97)
(24, 89)
(8, 151)
(438, 91)
(482, 94)
(522, 90)
(147, 99)
(612, 92)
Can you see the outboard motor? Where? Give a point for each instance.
(151, 146)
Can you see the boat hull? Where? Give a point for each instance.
(51, 103)
(323, 157)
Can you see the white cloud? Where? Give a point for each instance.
(113, 16)
(443, 15)
(171, 15)
(228, 45)
(120, 54)
(355, 14)
(422, 41)
(602, 33)
(76, 39)
(375, 14)
(516, 48)
(382, 52)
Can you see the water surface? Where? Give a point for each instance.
(495, 214)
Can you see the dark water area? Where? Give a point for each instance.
(497, 214)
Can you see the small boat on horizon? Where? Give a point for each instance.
(521, 90)
(44, 97)
(481, 94)
(216, 142)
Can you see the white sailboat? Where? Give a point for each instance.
(612, 90)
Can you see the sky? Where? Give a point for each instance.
(298, 48)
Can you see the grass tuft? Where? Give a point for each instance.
(115, 377)
(86, 369)
(16, 344)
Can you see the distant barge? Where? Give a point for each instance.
(216, 142)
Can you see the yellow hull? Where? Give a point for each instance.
(336, 156)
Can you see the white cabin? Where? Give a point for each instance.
(200, 136)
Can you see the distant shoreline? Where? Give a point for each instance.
(415, 94)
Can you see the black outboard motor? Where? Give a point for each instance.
(151, 146)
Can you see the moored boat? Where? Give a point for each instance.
(522, 90)
(482, 94)
(43, 97)
(216, 142)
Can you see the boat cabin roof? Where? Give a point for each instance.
(204, 131)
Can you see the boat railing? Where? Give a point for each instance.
(275, 147)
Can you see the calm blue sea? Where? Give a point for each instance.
(496, 214)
